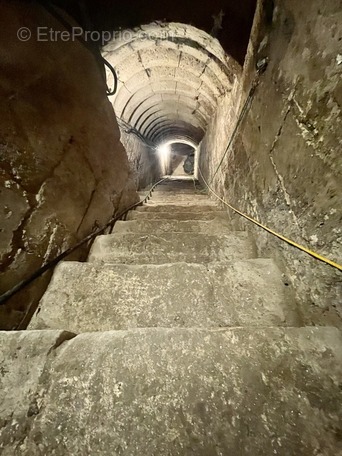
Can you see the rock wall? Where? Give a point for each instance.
(285, 166)
(143, 160)
(63, 169)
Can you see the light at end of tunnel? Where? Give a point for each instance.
(164, 151)
(164, 154)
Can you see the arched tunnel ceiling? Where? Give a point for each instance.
(171, 77)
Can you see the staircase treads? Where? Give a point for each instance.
(179, 206)
(171, 247)
(169, 190)
(23, 358)
(175, 194)
(173, 215)
(82, 297)
(178, 188)
(179, 183)
(152, 392)
(178, 198)
(177, 202)
(217, 226)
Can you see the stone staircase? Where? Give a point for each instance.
(173, 339)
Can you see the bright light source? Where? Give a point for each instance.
(164, 153)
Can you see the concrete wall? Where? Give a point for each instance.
(63, 169)
(285, 166)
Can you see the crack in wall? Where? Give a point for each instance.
(280, 178)
(34, 201)
(16, 242)
(147, 70)
(312, 136)
(87, 208)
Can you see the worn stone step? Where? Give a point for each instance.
(176, 216)
(185, 191)
(179, 206)
(174, 191)
(24, 357)
(178, 199)
(176, 188)
(171, 248)
(215, 227)
(195, 208)
(152, 392)
(84, 297)
(178, 183)
(197, 201)
(180, 196)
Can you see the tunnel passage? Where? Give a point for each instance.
(283, 170)
(171, 77)
(178, 157)
(183, 158)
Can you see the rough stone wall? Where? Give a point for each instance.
(218, 134)
(143, 160)
(63, 169)
(285, 166)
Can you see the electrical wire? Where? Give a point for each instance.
(269, 230)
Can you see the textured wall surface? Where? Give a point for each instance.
(143, 160)
(63, 169)
(285, 167)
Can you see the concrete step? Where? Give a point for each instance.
(215, 227)
(82, 297)
(171, 248)
(152, 392)
(176, 216)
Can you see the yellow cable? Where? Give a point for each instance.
(280, 236)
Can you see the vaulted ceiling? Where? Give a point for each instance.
(174, 60)
(171, 77)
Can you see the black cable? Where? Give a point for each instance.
(115, 77)
(89, 45)
(39, 272)
(130, 129)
